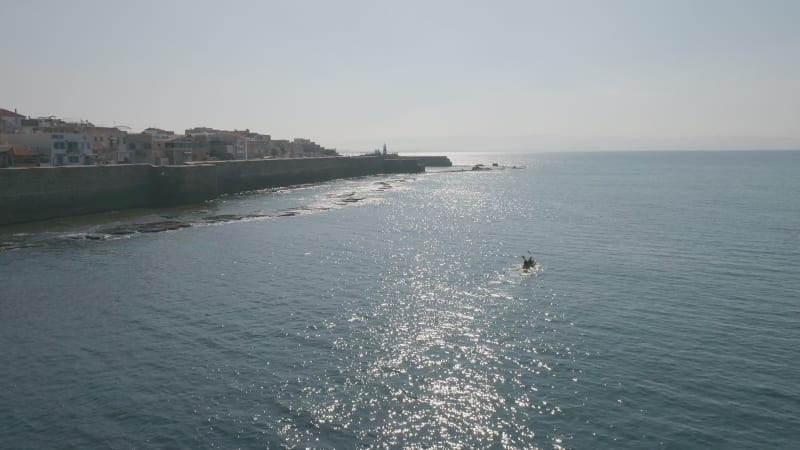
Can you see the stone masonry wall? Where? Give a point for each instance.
(48, 192)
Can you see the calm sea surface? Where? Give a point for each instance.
(664, 312)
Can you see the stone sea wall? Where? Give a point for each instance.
(431, 161)
(40, 193)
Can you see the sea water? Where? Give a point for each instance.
(663, 311)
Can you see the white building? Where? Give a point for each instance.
(56, 148)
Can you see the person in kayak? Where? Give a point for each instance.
(528, 263)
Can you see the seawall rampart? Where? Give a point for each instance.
(240, 176)
(40, 193)
(48, 192)
(431, 161)
(178, 185)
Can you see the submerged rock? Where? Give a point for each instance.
(167, 225)
(5, 246)
(232, 217)
(223, 218)
(118, 230)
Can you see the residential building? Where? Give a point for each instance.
(18, 156)
(280, 148)
(184, 149)
(10, 120)
(150, 147)
(160, 134)
(219, 144)
(254, 145)
(140, 149)
(236, 144)
(55, 148)
(52, 125)
(307, 148)
(110, 145)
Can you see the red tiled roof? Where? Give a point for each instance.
(7, 113)
(22, 151)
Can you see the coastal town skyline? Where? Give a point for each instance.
(30, 141)
(448, 76)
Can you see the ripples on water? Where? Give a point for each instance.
(663, 312)
(437, 351)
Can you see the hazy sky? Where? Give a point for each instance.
(418, 75)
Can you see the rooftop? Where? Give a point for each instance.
(22, 151)
(7, 113)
